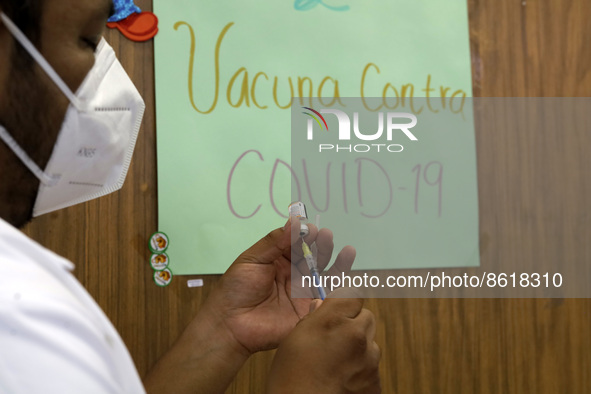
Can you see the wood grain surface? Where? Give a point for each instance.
(535, 48)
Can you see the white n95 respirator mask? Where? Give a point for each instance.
(94, 146)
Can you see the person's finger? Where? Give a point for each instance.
(301, 266)
(375, 353)
(367, 318)
(268, 248)
(324, 247)
(373, 356)
(312, 234)
(343, 262)
(348, 307)
(314, 305)
(297, 292)
(295, 229)
(298, 287)
(367, 380)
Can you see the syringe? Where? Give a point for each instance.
(311, 261)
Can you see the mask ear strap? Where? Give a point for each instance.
(28, 45)
(31, 165)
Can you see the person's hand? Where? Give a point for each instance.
(332, 350)
(253, 298)
(251, 309)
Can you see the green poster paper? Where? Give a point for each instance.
(225, 75)
(397, 184)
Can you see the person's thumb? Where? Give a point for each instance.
(268, 248)
(315, 304)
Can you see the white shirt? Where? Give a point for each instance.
(54, 338)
